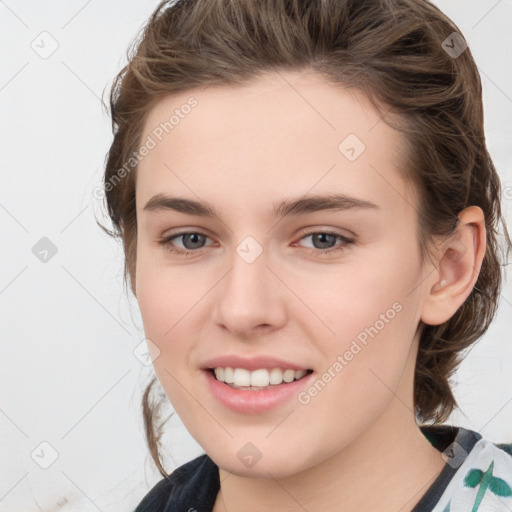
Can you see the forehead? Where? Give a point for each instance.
(265, 106)
(280, 131)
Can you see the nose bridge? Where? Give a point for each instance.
(250, 295)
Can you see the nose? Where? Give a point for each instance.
(250, 298)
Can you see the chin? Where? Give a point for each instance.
(277, 466)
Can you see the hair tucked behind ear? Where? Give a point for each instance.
(392, 50)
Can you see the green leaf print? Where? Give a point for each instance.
(486, 481)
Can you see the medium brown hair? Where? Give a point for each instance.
(392, 50)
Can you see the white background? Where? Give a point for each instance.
(68, 329)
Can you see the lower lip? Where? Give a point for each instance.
(255, 402)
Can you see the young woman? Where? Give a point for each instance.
(309, 216)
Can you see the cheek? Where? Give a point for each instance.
(166, 305)
(171, 303)
(352, 296)
(369, 318)
(165, 295)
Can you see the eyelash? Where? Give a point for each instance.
(166, 242)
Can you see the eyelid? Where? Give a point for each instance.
(309, 230)
(184, 231)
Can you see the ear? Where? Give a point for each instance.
(458, 267)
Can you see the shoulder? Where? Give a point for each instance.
(506, 447)
(195, 482)
(482, 477)
(499, 453)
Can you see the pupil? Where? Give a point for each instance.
(322, 236)
(194, 235)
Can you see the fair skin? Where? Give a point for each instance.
(356, 445)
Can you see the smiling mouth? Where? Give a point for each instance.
(241, 378)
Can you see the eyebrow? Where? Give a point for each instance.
(286, 208)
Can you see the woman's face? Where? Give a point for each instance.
(252, 286)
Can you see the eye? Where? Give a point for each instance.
(188, 239)
(326, 237)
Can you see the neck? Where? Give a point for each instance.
(389, 476)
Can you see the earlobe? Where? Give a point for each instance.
(458, 266)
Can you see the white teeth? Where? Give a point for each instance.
(240, 377)
(288, 375)
(259, 378)
(276, 376)
(228, 375)
(300, 373)
(219, 373)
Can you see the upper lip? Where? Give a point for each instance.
(250, 363)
